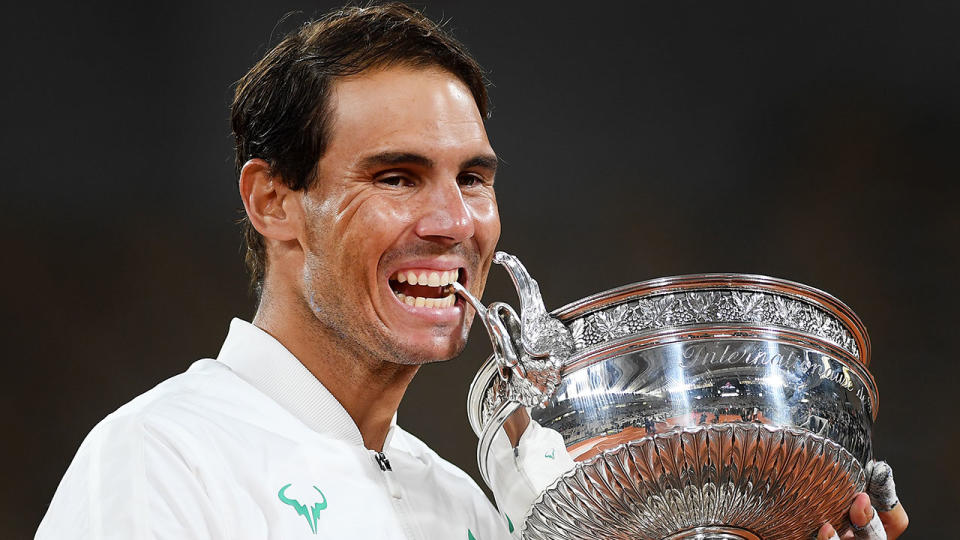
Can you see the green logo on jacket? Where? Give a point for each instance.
(311, 513)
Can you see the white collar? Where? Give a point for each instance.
(263, 362)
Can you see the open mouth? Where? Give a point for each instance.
(426, 288)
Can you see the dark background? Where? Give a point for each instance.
(811, 141)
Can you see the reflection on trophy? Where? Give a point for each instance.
(712, 406)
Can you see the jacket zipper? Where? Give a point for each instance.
(396, 497)
(392, 488)
(382, 461)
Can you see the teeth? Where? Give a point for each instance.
(433, 279)
(420, 301)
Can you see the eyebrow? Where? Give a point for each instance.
(486, 161)
(387, 159)
(392, 159)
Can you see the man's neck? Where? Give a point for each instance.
(370, 390)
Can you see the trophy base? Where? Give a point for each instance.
(739, 481)
(714, 533)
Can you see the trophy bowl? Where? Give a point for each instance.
(710, 406)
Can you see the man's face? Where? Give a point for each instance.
(405, 191)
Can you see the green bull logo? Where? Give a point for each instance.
(309, 513)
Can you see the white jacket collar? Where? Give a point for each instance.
(263, 362)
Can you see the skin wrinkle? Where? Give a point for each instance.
(315, 267)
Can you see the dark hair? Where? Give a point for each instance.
(280, 111)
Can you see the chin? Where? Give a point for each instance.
(431, 351)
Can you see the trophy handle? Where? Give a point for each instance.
(532, 309)
(503, 328)
(491, 429)
(531, 348)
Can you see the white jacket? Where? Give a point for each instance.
(251, 445)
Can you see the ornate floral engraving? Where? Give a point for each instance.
(709, 307)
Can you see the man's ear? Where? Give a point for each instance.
(267, 201)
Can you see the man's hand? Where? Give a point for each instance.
(887, 523)
(516, 424)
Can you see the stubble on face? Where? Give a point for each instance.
(357, 227)
(339, 323)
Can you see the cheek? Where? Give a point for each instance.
(487, 220)
(375, 223)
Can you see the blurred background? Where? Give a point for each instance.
(814, 141)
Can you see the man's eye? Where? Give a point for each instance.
(470, 180)
(396, 181)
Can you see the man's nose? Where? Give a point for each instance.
(446, 216)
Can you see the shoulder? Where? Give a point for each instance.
(122, 477)
(186, 410)
(205, 386)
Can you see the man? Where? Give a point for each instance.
(367, 180)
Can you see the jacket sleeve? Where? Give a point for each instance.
(519, 475)
(130, 481)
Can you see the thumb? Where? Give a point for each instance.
(880, 485)
(883, 496)
(827, 532)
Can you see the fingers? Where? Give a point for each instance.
(866, 522)
(880, 485)
(827, 532)
(883, 495)
(860, 511)
(895, 521)
(869, 524)
(887, 522)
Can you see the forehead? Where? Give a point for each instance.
(426, 110)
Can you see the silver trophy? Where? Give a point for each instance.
(710, 406)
